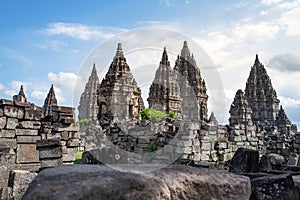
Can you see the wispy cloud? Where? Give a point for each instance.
(165, 2)
(81, 31)
(64, 79)
(270, 2)
(1, 86)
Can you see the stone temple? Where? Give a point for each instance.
(257, 121)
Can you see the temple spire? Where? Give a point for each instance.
(164, 59)
(256, 59)
(119, 52)
(20, 96)
(185, 52)
(49, 102)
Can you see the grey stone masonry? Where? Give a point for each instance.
(187, 69)
(119, 97)
(88, 106)
(164, 93)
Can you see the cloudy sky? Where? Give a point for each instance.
(45, 42)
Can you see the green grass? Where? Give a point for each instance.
(78, 157)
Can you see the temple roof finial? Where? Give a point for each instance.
(164, 56)
(119, 52)
(185, 52)
(256, 59)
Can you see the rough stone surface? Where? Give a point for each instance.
(274, 187)
(164, 93)
(172, 182)
(244, 160)
(27, 153)
(119, 96)
(50, 101)
(186, 66)
(19, 181)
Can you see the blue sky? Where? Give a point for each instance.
(45, 42)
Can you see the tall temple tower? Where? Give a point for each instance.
(164, 93)
(119, 97)
(88, 105)
(49, 102)
(187, 69)
(261, 96)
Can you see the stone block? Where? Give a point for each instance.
(60, 127)
(47, 143)
(65, 135)
(169, 149)
(7, 133)
(22, 104)
(12, 143)
(196, 148)
(50, 152)
(6, 193)
(30, 124)
(73, 142)
(11, 123)
(2, 122)
(70, 156)
(23, 139)
(4, 102)
(27, 153)
(33, 113)
(13, 112)
(1, 112)
(54, 135)
(237, 138)
(32, 167)
(27, 132)
(19, 182)
(63, 109)
(51, 163)
(206, 146)
(144, 140)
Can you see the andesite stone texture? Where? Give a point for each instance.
(164, 92)
(119, 97)
(188, 71)
(88, 106)
(172, 182)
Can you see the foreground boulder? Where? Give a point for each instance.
(244, 161)
(171, 182)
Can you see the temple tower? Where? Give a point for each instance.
(261, 96)
(187, 69)
(49, 102)
(119, 97)
(164, 93)
(88, 105)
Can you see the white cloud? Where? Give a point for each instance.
(80, 31)
(39, 95)
(291, 20)
(1, 86)
(289, 102)
(64, 79)
(10, 93)
(270, 2)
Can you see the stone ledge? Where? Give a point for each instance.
(171, 182)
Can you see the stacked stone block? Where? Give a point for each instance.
(50, 152)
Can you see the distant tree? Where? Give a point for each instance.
(155, 115)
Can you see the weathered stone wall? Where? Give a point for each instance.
(22, 125)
